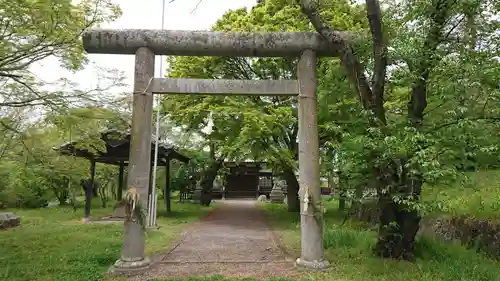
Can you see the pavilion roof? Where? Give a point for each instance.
(118, 149)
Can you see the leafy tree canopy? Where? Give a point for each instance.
(31, 31)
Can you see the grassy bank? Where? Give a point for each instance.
(475, 194)
(52, 244)
(349, 249)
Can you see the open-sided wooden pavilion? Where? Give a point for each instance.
(117, 151)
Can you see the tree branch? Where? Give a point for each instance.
(442, 126)
(348, 58)
(379, 52)
(418, 100)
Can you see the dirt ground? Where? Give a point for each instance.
(234, 240)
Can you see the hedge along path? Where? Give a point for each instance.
(234, 240)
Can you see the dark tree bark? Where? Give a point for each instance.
(427, 61)
(371, 98)
(207, 182)
(292, 190)
(87, 187)
(342, 202)
(399, 224)
(102, 194)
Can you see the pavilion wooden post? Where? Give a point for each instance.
(167, 186)
(89, 190)
(119, 193)
(311, 214)
(133, 258)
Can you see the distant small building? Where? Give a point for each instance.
(245, 178)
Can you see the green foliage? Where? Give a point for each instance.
(185, 176)
(460, 128)
(35, 30)
(260, 128)
(35, 173)
(25, 188)
(36, 115)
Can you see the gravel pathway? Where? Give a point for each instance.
(234, 240)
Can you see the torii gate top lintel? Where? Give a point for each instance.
(205, 43)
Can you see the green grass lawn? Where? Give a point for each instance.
(474, 194)
(349, 249)
(52, 244)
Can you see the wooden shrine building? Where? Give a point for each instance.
(247, 180)
(117, 151)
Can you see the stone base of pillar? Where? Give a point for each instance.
(316, 265)
(122, 267)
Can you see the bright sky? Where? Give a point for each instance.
(145, 14)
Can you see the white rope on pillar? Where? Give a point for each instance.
(154, 198)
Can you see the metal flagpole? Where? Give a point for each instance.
(154, 197)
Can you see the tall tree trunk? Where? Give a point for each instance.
(207, 182)
(399, 224)
(292, 189)
(342, 203)
(102, 194)
(398, 228)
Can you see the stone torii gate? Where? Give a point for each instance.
(145, 44)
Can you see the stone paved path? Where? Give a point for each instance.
(234, 241)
